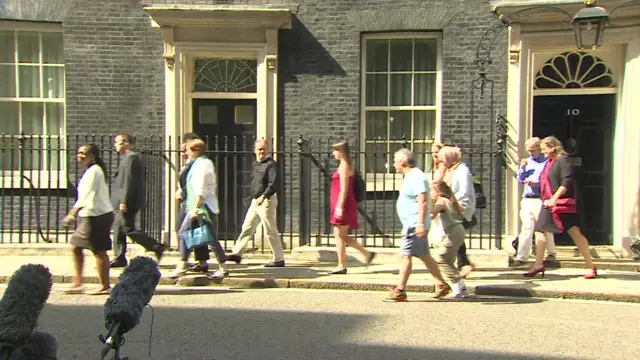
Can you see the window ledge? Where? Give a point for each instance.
(43, 179)
(382, 182)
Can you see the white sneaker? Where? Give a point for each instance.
(460, 291)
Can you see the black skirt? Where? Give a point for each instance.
(545, 221)
(93, 233)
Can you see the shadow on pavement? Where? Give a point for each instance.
(221, 334)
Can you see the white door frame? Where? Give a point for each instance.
(622, 48)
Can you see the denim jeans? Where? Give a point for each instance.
(201, 253)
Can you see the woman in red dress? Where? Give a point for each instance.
(344, 208)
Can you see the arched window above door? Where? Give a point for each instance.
(225, 75)
(574, 70)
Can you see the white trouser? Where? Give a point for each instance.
(267, 214)
(529, 211)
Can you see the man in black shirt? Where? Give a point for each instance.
(264, 202)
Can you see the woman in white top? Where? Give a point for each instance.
(201, 209)
(459, 178)
(95, 219)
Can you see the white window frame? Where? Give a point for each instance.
(393, 181)
(44, 179)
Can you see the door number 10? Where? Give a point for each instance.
(573, 111)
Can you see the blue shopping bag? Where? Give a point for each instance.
(200, 235)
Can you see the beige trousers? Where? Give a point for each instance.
(529, 211)
(267, 214)
(448, 251)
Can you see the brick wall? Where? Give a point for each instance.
(115, 73)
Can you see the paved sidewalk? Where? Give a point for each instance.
(561, 283)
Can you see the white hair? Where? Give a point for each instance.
(406, 156)
(533, 141)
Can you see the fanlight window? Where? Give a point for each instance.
(574, 70)
(225, 75)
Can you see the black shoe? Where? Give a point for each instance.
(199, 268)
(275, 264)
(515, 243)
(160, 248)
(118, 263)
(635, 247)
(516, 263)
(235, 258)
(338, 272)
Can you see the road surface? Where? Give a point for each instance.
(221, 324)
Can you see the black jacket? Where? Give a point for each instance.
(129, 183)
(562, 173)
(264, 178)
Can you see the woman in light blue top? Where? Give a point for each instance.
(202, 208)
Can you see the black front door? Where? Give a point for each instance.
(584, 124)
(228, 126)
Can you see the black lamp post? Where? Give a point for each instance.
(589, 25)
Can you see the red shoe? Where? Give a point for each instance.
(535, 271)
(591, 274)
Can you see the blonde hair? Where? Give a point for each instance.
(196, 145)
(343, 148)
(445, 190)
(555, 144)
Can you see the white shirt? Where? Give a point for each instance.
(93, 193)
(202, 179)
(462, 186)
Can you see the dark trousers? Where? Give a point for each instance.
(201, 253)
(462, 258)
(125, 225)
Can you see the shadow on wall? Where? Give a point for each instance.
(205, 333)
(302, 54)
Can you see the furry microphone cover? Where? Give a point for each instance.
(20, 308)
(132, 293)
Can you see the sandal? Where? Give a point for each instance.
(74, 290)
(370, 258)
(99, 292)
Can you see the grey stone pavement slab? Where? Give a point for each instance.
(486, 280)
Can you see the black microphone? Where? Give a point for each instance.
(20, 307)
(134, 290)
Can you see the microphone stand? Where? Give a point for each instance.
(113, 341)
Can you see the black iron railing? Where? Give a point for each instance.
(40, 174)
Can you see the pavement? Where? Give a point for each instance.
(490, 278)
(224, 323)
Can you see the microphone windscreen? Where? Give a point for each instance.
(42, 346)
(23, 300)
(132, 293)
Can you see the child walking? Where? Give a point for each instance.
(450, 213)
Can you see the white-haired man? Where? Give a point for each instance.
(530, 205)
(413, 210)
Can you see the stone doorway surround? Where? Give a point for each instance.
(216, 31)
(532, 42)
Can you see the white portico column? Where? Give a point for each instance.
(172, 127)
(516, 132)
(626, 168)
